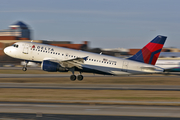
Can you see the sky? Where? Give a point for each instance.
(105, 23)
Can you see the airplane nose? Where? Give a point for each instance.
(6, 50)
(10, 51)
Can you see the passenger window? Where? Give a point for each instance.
(58, 53)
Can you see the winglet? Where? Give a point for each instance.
(150, 53)
(85, 58)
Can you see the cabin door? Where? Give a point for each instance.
(26, 48)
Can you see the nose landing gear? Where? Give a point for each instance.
(25, 66)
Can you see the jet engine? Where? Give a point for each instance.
(52, 66)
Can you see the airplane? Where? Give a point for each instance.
(59, 59)
(169, 65)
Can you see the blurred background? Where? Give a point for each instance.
(20, 31)
(117, 28)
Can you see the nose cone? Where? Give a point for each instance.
(11, 51)
(6, 50)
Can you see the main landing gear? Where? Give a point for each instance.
(25, 66)
(79, 77)
(73, 77)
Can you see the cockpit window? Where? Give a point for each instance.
(15, 45)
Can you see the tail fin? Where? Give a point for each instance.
(150, 53)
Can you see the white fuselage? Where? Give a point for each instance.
(168, 64)
(111, 65)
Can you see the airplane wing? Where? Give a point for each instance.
(77, 62)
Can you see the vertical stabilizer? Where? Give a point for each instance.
(150, 53)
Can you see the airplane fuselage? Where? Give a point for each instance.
(95, 63)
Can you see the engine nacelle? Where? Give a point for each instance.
(52, 66)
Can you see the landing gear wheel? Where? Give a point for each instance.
(24, 68)
(80, 77)
(73, 77)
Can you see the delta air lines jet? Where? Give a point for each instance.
(53, 59)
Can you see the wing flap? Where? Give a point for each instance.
(77, 62)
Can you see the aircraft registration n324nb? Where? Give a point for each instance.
(53, 59)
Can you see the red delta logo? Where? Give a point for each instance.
(33, 46)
